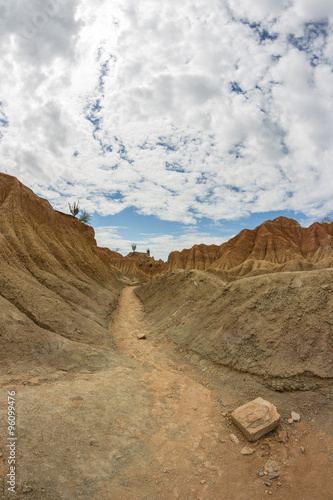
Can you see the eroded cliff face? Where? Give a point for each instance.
(274, 246)
(136, 266)
(56, 293)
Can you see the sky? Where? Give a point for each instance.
(172, 123)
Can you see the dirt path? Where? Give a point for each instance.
(190, 455)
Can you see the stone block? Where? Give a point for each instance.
(256, 418)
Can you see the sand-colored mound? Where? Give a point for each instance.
(274, 246)
(56, 294)
(276, 326)
(135, 266)
(198, 257)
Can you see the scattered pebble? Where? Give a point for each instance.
(247, 451)
(290, 421)
(261, 474)
(268, 483)
(202, 481)
(142, 336)
(295, 416)
(221, 440)
(302, 449)
(272, 466)
(273, 476)
(234, 438)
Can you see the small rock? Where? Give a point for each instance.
(302, 449)
(234, 438)
(195, 408)
(273, 476)
(221, 440)
(290, 421)
(247, 451)
(26, 487)
(261, 473)
(268, 483)
(281, 436)
(142, 336)
(295, 416)
(256, 418)
(272, 466)
(202, 481)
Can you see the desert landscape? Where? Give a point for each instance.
(127, 370)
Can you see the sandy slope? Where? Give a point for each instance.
(275, 326)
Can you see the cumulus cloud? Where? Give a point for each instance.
(182, 112)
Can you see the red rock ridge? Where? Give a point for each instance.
(278, 245)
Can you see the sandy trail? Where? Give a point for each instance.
(190, 454)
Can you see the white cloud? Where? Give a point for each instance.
(182, 111)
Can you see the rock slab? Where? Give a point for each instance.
(256, 418)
